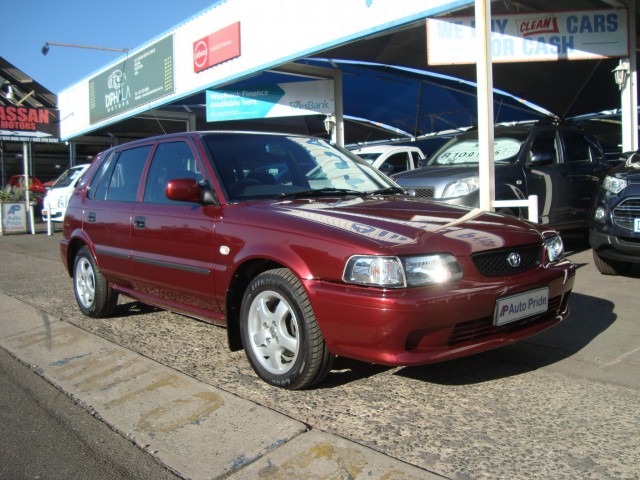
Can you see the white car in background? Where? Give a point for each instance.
(391, 159)
(57, 198)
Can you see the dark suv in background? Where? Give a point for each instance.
(561, 164)
(614, 232)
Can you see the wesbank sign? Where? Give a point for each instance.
(279, 100)
(532, 37)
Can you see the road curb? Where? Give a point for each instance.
(193, 428)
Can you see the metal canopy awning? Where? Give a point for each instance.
(392, 96)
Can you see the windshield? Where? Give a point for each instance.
(276, 166)
(369, 157)
(67, 177)
(465, 151)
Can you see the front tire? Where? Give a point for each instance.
(93, 294)
(280, 334)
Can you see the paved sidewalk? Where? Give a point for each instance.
(196, 430)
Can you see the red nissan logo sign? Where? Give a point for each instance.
(200, 53)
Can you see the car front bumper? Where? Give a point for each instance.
(426, 325)
(615, 248)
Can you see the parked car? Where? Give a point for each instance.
(391, 159)
(56, 199)
(305, 252)
(614, 233)
(561, 164)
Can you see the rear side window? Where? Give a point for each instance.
(171, 161)
(121, 174)
(576, 147)
(396, 163)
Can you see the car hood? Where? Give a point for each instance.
(629, 170)
(435, 173)
(403, 225)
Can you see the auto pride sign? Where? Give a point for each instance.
(279, 100)
(542, 36)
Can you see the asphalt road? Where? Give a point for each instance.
(47, 435)
(563, 404)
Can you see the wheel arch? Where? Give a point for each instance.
(240, 280)
(74, 246)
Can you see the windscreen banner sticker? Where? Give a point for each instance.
(469, 151)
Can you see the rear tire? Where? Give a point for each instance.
(93, 294)
(280, 334)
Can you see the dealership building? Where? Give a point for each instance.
(374, 70)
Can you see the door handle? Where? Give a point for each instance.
(139, 222)
(91, 217)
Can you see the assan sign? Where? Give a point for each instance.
(25, 124)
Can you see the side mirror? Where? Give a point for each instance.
(541, 158)
(189, 190)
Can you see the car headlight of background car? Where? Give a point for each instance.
(461, 187)
(554, 247)
(613, 184)
(397, 272)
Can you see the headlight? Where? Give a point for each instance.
(393, 272)
(554, 247)
(459, 188)
(431, 269)
(613, 184)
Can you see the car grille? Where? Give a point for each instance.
(423, 192)
(496, 262)
(626, 212)
(474, 330)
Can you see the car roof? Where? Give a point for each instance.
(383, 148)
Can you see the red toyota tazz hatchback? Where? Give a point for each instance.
(304, 252)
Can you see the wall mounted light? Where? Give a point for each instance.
(621, 73)
(329, 124)
(47, 46)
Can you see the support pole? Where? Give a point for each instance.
(485, 104)
(629, 91)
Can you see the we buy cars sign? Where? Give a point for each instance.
(217, 47)
(532, 37)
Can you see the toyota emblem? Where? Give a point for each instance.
(514, 259)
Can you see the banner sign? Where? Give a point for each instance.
(216, 48)
(25, 124)
(14, 218)
(279, 100)
(532, 37)
(141, 78)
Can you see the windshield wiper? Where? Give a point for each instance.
(387, 191)
(327, 191)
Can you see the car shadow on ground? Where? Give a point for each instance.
(590, 316)
(130, 308)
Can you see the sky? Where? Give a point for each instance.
(103, 23)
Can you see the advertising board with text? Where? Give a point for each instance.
(26, 124)
(279, 100)
(543, 36)
(141, 78)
